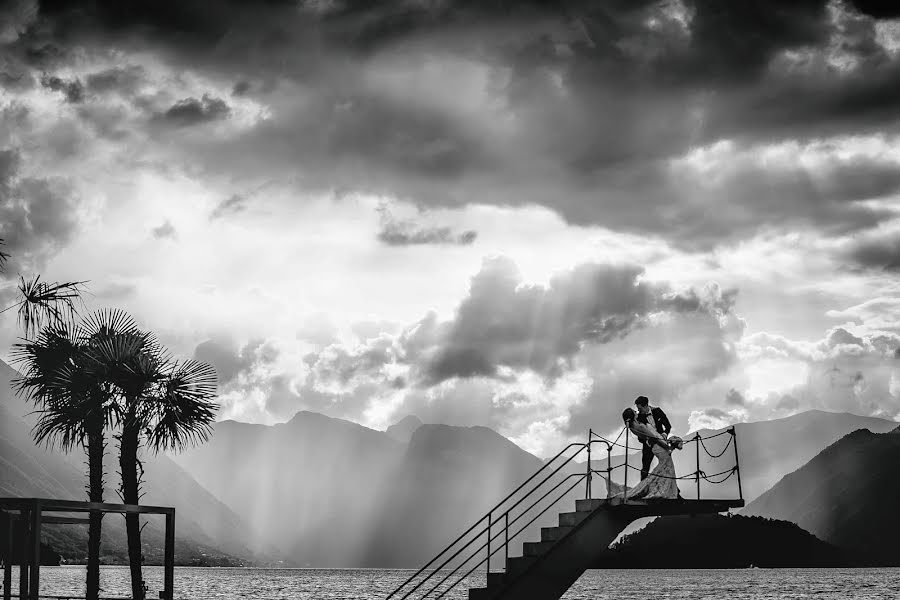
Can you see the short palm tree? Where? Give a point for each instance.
(164, 404)
(75, 405)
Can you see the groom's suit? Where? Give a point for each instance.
(661, 422)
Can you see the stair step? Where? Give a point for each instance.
(479, 594)
(496, 579)
(589, 504)
(571, 519)
(552, 534)
(536, 548)
(517, 564)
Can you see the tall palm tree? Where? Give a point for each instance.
(162, 403)
(75, 405)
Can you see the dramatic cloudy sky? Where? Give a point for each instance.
(509, 213)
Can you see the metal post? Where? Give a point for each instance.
(737, 464)
(489, 546)
(23, 555)
(697, 472)
(506, 542)
(608, 469)
(588, 487)
(34, 585)
(625, 493)
(169, 568)
(7, 563)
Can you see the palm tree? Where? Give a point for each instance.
(75, 405)
(163, 403)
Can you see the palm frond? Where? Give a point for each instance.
(41, 361)
(3, 255)
(185, 409)
(41, 302)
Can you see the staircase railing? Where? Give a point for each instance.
(499, 520)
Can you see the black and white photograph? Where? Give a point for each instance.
(449, 299)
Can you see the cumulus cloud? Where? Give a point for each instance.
(846, 372)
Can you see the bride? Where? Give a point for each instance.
(660, 483)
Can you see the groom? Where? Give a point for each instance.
(656, 418)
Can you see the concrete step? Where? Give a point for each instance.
(496, 579)
(589, 504)
(479, 594)
(536, 548)
(552, 534)
(573, 518)
(518, 564)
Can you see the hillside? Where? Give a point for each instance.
(722, 542)
(311, 487)
(847, 495)
(206, 530)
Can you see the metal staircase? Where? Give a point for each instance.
(549, 566)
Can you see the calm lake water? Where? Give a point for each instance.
(353, 584)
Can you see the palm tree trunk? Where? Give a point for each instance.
(128, 463)
(95, 451)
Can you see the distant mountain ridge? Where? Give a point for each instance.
(847, 495)
(403, 429)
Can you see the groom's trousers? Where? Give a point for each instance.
(646, 459)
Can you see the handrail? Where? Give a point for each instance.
(491, 539)
(523, 528)
(495, 530)
(491, 511)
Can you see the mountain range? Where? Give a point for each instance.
(319, 491)
(847, 495)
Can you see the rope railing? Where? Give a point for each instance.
(724, 449)
(493, 529)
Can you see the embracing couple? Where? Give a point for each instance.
(652, 428)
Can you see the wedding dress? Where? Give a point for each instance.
(660, 484)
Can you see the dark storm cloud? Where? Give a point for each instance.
(602, 95)
(73, 89)
(124, 80)
(408, 233)
(881, 252)
(193, 111)
(505, 323)
(37, 215)
(231, 360)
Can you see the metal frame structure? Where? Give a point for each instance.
(28, 513)
(461, 552)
